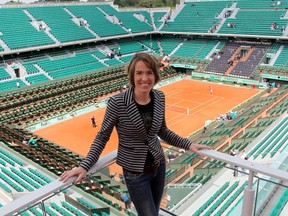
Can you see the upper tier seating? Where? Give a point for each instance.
(37, 78)
(129, 21)
(60, 23)
(198, 49)
(260, 4)
(198, 18)
(4, 74)
(255, 22)
(97, 20)
(158, 16)
(17, 30)
(282, 59)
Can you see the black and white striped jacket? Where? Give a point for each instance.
(123, 113)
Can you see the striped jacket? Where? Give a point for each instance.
(134, 141)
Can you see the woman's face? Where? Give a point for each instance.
(144, 78)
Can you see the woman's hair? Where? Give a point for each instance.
(150, 62)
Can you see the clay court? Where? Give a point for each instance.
(77, 133)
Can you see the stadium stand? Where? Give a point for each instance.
(18, 32)
(63, 67)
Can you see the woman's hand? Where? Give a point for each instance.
(196, 147)
(80, 172)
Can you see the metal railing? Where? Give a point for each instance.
(248, 206)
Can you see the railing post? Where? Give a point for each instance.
(43, 208)
(248, 199)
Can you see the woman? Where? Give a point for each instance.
(139, 117)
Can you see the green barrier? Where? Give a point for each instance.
(214, 77)
(275, 77)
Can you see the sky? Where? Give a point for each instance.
(27, 1)
(23, 1)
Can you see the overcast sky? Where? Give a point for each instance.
(23, 1)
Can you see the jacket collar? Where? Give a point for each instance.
(133, 113)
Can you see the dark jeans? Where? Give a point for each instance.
(146, 189)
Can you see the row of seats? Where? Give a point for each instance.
(241, 141)
(100, 21)
(83, 61)
(246, 69)
(196, 17)
(128, 19)
(23, 34)
(245, 20)
(208, 15)
(219, 62)
(38, 103)
(46, 154)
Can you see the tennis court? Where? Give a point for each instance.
(77, 134)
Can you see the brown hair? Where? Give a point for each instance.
(150, 62)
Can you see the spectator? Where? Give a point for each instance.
(230, 62)
(166, 22)
(231, 25)
(204, 129)
(93, 122)
(32, 142)
(126, 199)
(112, 176)
(25, 140)
(171, 157)
(273, 26)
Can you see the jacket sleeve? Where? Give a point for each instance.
(103, 136)
(170, 136)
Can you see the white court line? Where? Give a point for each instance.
(209, 102)
(200, 103)
(175, 104)
(173, 93)
(176, 117)
(188, 116)
(185, 100)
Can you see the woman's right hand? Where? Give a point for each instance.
(80, 172)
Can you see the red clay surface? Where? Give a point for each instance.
(77, 134)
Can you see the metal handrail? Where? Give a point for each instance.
(56, 185)
(41, 193)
